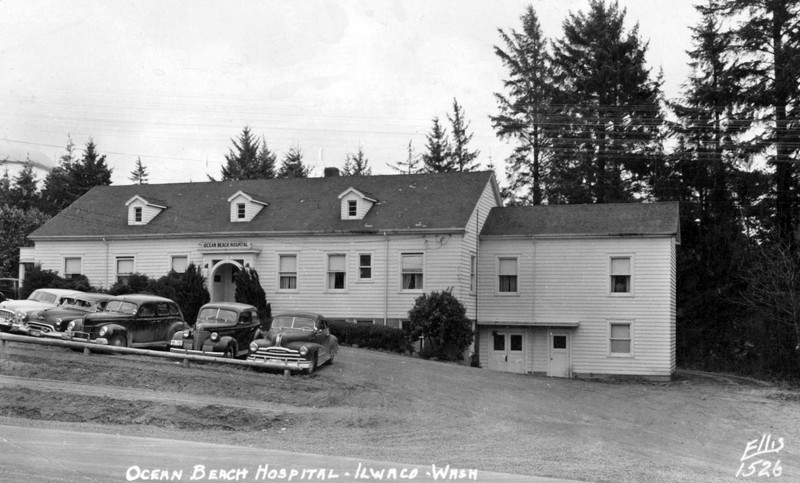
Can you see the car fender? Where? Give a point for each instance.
(114, 329)
(175, 328)
(222, 343)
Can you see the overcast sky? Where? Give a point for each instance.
(173, 81)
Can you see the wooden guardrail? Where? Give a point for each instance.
(89, 347)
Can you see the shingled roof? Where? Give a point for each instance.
(309, 205)
(613, 219)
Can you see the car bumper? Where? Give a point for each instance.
(76, 336)
(280, 364)
(186, 347)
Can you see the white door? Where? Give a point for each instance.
(559, 355)
(507, 353)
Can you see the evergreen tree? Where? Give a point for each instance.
(463, 158)
(410, 165)
(610, 117)
(6, 197)
(242, 159)
(526, 112)
(140, 174)
(266, 161)
(356, 164)
(72, 178)
(15, 226)
(250, 291)
(292, 166)
(24, 191)
(438, 158)
(768, 41)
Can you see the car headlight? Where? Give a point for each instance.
(253, 347)
(214, 336)
(103, 331)
(58, 321)
(303, 351)
(71, 325)
(187, 333)
(22, 316)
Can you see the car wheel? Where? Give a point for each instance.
(117, 341)
(313, 367)
(230, 352)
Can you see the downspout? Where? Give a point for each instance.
(386, 282)
(106, 280)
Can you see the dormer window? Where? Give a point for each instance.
(355, 204)
(142, 210)
(245, 206)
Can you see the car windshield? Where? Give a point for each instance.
(74, 303)
(216, 313)
(41, 296)
(293, 323)
(121, 307)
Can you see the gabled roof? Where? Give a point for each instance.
(307, 205)
(360, 193)
(612, 219)
(148, 201)
(254, 198)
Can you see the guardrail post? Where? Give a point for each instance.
(286, 373)
(186, 362)
(86, 351)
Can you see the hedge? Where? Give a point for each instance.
(370, 336)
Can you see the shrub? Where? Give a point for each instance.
(37, 278)
(250, 291)
(440, 318)
(370, 336)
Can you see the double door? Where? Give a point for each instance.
(507, 352)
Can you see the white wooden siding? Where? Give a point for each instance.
(567, 281)
(362, 206)
(380, 297)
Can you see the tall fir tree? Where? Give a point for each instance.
(25, 193)
(411, 165)
(241, 159)
(266, 161)
(139, 175)
(74, 177)
(610, 118)
(438, 157)
(525, 109)
(292, 166)
(356, 164)
(768, 42)
(464, 159)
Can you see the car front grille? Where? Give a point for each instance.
(277, 353)
(6, 314)
(41, 326)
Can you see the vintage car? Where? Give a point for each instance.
(296, 341)
(52, 322)
(130, 321)
(15, 313)
(9, 289)
(223, 329)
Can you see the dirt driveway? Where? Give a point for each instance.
(388, 407)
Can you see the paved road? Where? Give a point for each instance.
(48, 455)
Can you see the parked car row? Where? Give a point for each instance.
(299, 341)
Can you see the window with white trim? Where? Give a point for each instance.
(337, 272)
(620, 341)
(620, 275)
(411, 269)
(72, 267)
(352, 208)
(125, 268)
(287, 272)
(365, 266)
(507, 275)
(179, 263)
(241, 211)
(137, 214)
